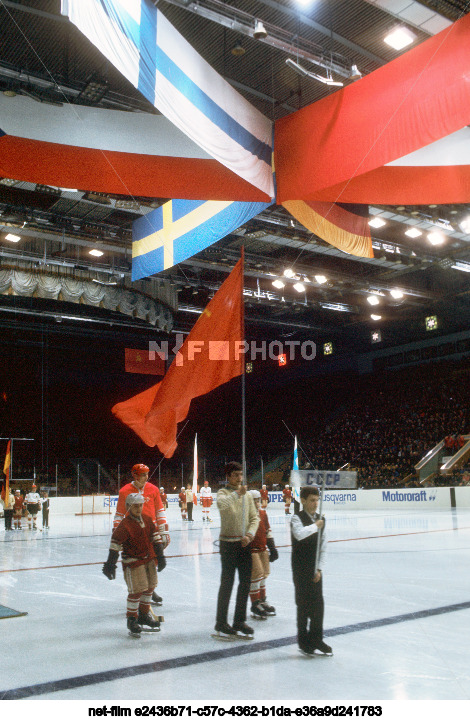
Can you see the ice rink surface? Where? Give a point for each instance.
(396, 588)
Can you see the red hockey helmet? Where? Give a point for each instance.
(139, 469)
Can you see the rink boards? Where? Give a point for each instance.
(360, 499)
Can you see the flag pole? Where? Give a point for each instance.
(242, 311)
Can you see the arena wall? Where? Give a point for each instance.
(401, 499)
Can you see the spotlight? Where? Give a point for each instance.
(260, 31)
(436, 238)
(355, 74)
(400, 37)
(97, 253)
(375, 317)
(13, 238)
(397, 294)
(377, 222)
(238, 50)
(321, 279)
(413, 233)
(278, 284)
(299, 287)
(289, 273)
(372, 299)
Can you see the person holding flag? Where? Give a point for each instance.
(239, 522)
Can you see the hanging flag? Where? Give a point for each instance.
(295, 464)
(211, 355)
(349, 139)
(138, 361)
(195, 471)
(147, 50)
(295, 467)
(179, 229)
(344, 226)
(6, 471)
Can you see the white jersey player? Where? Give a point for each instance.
(33, 504)
(205, 496)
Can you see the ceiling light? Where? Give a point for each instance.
(321, 279)
(397, 294)
(260, 31)
(278, 284)
(372, 299)
(377, 222)
(375, 317)
(97, 253)
(289, 273)
(413, 232)
(238, 50)
(465, 225)
(400, 37)
(436, 238)
(355, 74)
(13, 238)
(299, 287)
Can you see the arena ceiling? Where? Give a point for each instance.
(43, 56)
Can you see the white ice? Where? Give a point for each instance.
(380, 565)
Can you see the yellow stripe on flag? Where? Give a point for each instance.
(173, 230)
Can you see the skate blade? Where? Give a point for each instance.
(258, 618)
(156, 603)
(219, 637)
(133, 635)
(150, 630)
(245, 637)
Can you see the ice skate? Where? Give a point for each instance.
(133, 627)
(149, 622)
(322, 648)
(306, 650)
(244, 631)
(270, 610)
(257, 611)
(224, 632)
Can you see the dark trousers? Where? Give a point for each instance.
(8, 515)
(310, 610)
(189, 506)
(45, 517)
(234, 557)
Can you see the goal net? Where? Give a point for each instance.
(95, 503)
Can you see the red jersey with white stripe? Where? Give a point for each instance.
(264, 532)
(152, 508)
(135, 540)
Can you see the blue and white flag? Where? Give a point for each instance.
(143, 45)
(179, 229)
(295, 467)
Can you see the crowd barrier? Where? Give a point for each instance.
(402, 499)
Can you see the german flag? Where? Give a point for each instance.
(343, 225)
(6, 470)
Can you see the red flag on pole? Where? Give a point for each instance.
(6, 470)
(211, 355)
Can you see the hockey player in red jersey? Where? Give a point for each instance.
(263, 551)
(153, 506)
(164, 498)
(18, 510)
(205, 496)
(264, 496)
(287, 493)
(140, 544)
(182, 503)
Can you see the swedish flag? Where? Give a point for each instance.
(179, 229)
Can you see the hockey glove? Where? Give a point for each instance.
(109, 568)
(164, 533)
(273, 554)
(161, 560)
